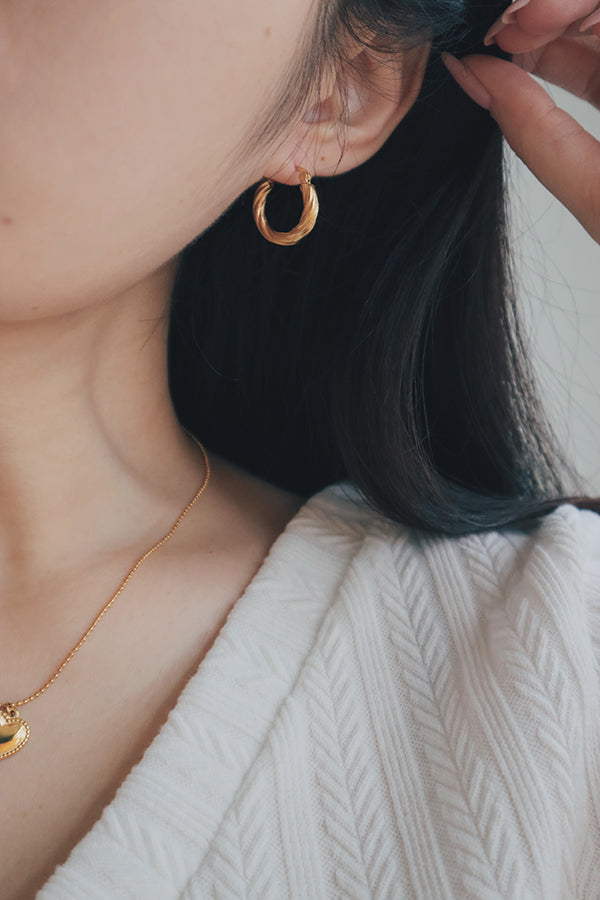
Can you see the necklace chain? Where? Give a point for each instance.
(121, 587)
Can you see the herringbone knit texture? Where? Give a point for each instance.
(384, 714)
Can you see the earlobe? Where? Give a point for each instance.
(360, 110)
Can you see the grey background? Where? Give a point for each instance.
(558, 267)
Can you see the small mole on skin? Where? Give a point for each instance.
(6, 220)
(268, 31)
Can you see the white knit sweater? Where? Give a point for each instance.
(384, 714)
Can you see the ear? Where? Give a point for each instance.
(358, 110)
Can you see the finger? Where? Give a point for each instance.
(569, 63)
(542, 21)
(574, 30)
(551, 143)
(544, 16)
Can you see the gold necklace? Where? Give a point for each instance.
(14, 731)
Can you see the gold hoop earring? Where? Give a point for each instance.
(307, 220)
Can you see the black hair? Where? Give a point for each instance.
(385, 348)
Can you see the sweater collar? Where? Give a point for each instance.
(156, 830)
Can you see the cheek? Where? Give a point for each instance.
(117, 124)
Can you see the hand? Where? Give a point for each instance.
(544, 37)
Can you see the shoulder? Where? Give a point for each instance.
(439, 734)
(515, 596)
(552, 562)
(476, 662)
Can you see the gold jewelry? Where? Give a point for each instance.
(14, 731)
(309, 212)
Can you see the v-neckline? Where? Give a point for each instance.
(140, 846)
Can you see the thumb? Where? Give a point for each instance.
(551, 143)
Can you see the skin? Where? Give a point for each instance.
(122, 139)
(124, 134)
(125, 128)
(108, 173)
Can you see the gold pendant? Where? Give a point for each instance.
(14, 732)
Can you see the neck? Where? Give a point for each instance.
(90, 448)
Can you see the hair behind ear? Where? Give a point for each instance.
(385, 347)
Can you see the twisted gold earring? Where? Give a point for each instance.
(307, 220)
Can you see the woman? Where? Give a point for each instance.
(384, 688)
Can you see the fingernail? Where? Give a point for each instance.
(594, 19)
(468, 81)
(509, 14)
(507, 18)
(494, 30)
